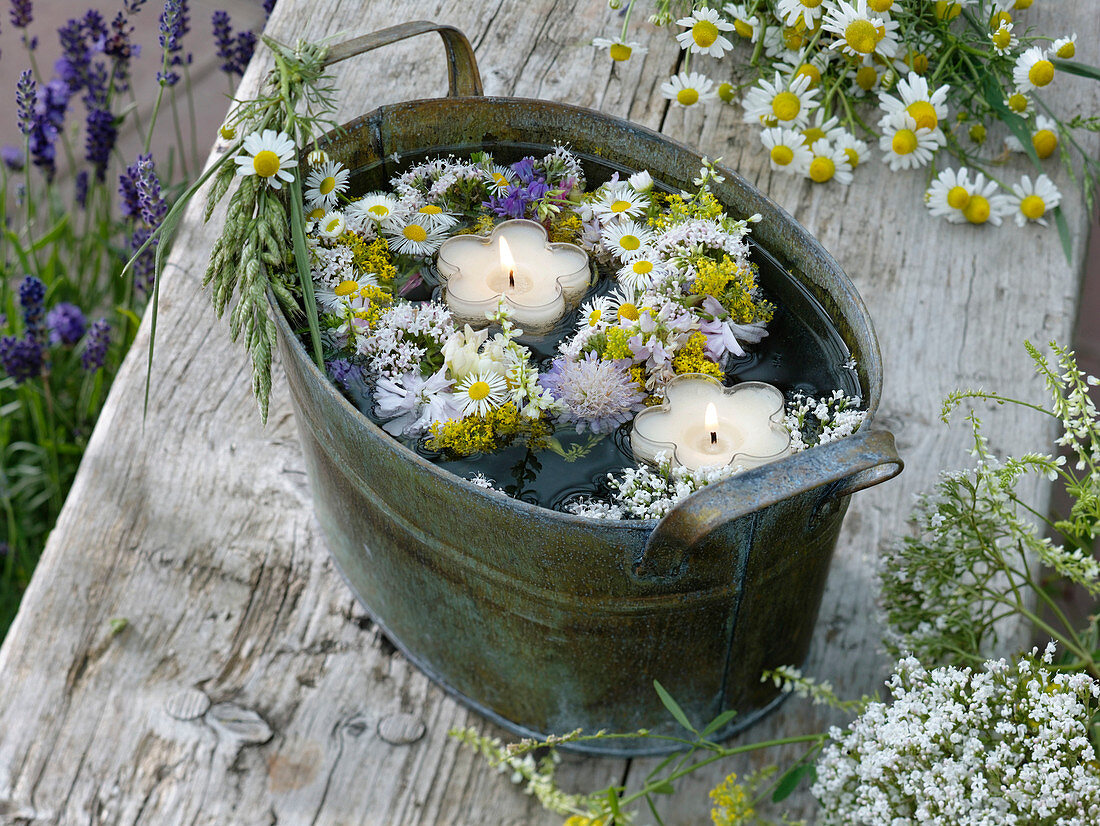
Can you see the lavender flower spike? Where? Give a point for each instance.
(95, 348)
(25, 99)
(22, 15)
(32, 300)
(21, 358)
(66, 323)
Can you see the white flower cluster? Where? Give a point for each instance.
(820, 421)
(397, 343)
(1007, 744)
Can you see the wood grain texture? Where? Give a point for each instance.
(195, 525)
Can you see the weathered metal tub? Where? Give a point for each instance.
(547, 622)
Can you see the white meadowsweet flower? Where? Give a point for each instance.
(410, 233)
(859, 31)
(926, 107)
(325, 182)
(1064, 47)
(618, 49)
(780, 103)
(854, 149)
(745, 23)
(481, 392)
(821, 128)
(903, 145)
(332, 225)
(1003, 40)
(704, 33)
(626, 240)
(827, 163)
(806, 11)
(787, 151)
(621, 200)
(1031, 202)
(688, 89)
(373, 207)
(949, 195)
(1033, 70)
(269, 155)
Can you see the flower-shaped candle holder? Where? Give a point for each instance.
(704, 423)
(539, 280)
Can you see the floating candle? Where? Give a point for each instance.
(704, 423)
(538, 280)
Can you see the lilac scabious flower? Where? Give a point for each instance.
(598, 395)
(12, 157)
(21, 358)
(25, 100)
(32, 301)
(95, 346)
(22, 14)
(66, 324)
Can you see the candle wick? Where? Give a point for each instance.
(714, 437)
(511, 279)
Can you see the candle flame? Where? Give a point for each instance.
(711, 420)
(507, 262)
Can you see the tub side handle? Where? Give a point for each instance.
(463, 76)
(860, 461)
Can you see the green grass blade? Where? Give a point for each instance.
(301, 259)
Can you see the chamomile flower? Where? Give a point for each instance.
(746, 24)
(1003, 40)
(1018, 102)
(412, 234)
(626, 240)
(348, 293)
(949, 9)
(625, 300)
(808, 11)
(481, 392)
(332, 225)
(1032, 70)
(864, 78)
(688, 89)
(704, 33)
(374, 206)
(1030, 202)
(859, 31)
(313, 215)
(618, 49)
(985, 205)
(1064, 47)
(821, 128)
(501, 178)
(855, 150)
(597, 312)
(903, 145)
(621, 200)
(269, 155)
(1044, 138)
(787, 151)
(325, 182)
(827, 163)
(949, 194)
(436, 217)
(643, 272)
(926, 107)
(780, 103)
(641, 181)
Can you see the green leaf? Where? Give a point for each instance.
(52, 235)
(1064, 233)
(789, 782)
(994, 96)
(133, 317)
(664, 787)
(613, 802)
(673, 707)
(1072, 67)
(719, 721)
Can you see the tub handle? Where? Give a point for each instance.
(463, 77)
(860, 461)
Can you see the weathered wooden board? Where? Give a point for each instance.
(195, 525)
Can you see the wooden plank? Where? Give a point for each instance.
(196, 527)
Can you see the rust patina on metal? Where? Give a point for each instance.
(547, 622)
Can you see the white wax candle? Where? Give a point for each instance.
(703, 423)
(538, 280)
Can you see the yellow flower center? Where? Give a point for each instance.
(594, 318)
(346, 288)
(1067, 50)
(786, 106)
(920, 63)
(333, 225)
(229, 132)
(479, 390)
(866, 78)
(629, 242)
(822, 169)
(1017, 102)
(643, 267)
(499, 178)
(1022, 4)
(687, 97)
(904, 142)
(812, 134)
(619, 52)
(958, 197)
(1000, 18)
(1041, 73)
(810, 4)
(794, 37)
(316, 214)
(861, 36)
(628, 311)
(1033, 207)
(782, 155)
(415, 232)
(381, 210)
(1001, 38)
(327, 185)
(924, 113)
(742, 28)
(620, 206)
(852, 156)
(1045, 142)
(725, 92)
(947, 10)
(704, 33)
(880, 5)
(430, 209)
(977, 210)
(977, 133)
(266, 163)
(810, 71)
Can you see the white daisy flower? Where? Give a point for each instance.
(618, 49)
(597, 312)
(783, 45)
(827, 163)
(859, 31)
(1044, 138)
(1032, 70)
(481, 392)
(625, 300)
(903, 145)
(787, 150)
(949, 9)
(413, 234)
(865, 78)
(746, 24)
(436, 216)
(626, 239)
(853, 148)
(641, 181)
(621, 200)
(926, 107)
(325, 182)
(949, 194)
(1003, 40)
(792, 11)
(269, 155)
(643, 272)
(1064, 47)
(374, 206)
(985, 205)
(821, 129)
(317, 157)
(332, 225)
(346, 294)
(501, 178)
(780, 103)
(688, 89)
(704, 33)
(811, 66)
(1030, 202)
(312, 215)
(1018, 102)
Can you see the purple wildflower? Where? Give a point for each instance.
(269, 6)
(142, 199)
(95, 347)
(119, 48)
(21, 358)
(343, 372)
(131, 7)
(525, 169)
(144, 267)
(234, 51)
(516, 200)
(32, 301)
(175, 23)
(246, 47)
(22, 15)
(100, 129)
(51, 102)
(75, 58)
(598, 395)
(66, 324)
(25, 100)
(724, 336)
(80, 188)
(12, 157)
